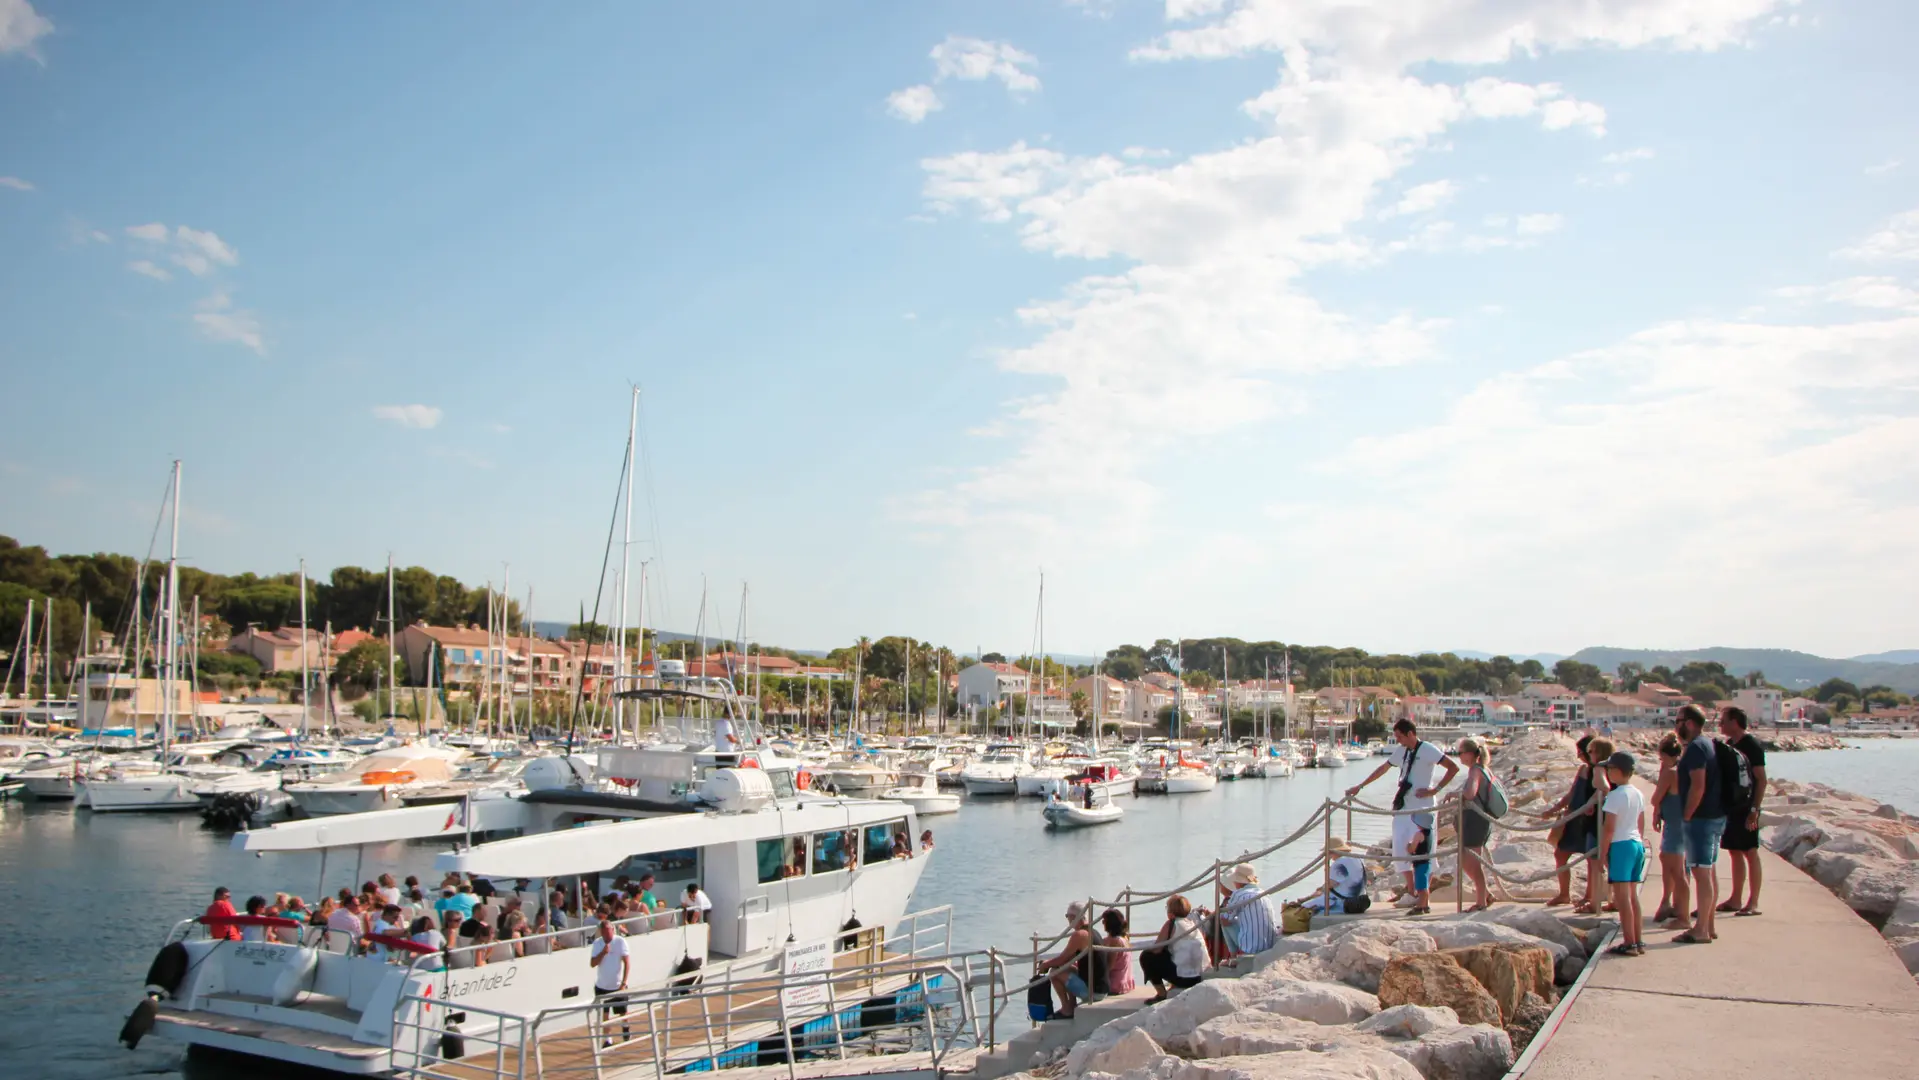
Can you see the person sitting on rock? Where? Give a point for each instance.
(1071, 971)
(1348, 883)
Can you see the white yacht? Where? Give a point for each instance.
(1042, 780)
(997, 771)
(794, 878)
(378, 782)
(1185, 778)
(920, 790)
(178, 783)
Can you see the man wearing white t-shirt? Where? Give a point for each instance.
(1412, 833)
(724, 741)
(609, 976)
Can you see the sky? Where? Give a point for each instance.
(1515, 325)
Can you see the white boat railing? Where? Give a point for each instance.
(884, 993)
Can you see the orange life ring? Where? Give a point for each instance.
(802, 780)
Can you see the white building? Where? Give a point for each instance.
(1763, 706)
(1551, 703)
(990, 686)
(1105, 696)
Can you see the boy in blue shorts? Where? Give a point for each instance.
(1623, 827)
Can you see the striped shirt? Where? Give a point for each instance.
(1251, 918)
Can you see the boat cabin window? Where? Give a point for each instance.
(834, 851)
(881, 841)
(673, 871)
(783, 857)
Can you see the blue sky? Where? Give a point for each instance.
(1404, 324)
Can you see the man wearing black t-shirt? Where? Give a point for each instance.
(1741, 840)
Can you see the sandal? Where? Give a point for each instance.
(1638, 948)
(1727, 908)
(1743, 912)
(1423, 909)
(1687, 939)
(1619, 950)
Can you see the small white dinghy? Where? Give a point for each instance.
(1062, 814)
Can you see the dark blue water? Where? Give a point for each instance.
(92, 896)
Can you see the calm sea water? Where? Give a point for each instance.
(91, 896)
(1883, 769)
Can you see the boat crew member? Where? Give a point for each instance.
(610, 966)
(724, 741)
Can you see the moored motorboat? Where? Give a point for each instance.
(1074, 813)
(922, 793)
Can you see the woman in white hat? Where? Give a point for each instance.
(1248, 918)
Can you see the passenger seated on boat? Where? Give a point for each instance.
(536, 942)
(222, 908)
(902, 845)
(487, 911)
(256, 905)
(459, 899)
(513, 928)
(347, 927)
(926, 840)
(296, 909)
(422, 932)
(388, 890)
(641, 892)
(391, 922)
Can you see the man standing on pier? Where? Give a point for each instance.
(1412, 833)
(1705, 819)
(1743, 796)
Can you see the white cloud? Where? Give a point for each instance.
(196, 251)
(409, 416)
(1207, 326)
(219, 320)
(1423, 197)
(970, 60)
(1882, 293)
(15, 183)
(1624, 157)
(21, 27)
(1897, 239)
(1538, 224)
(200, 251)
(1396, 34)
(974, 60)
(913, 103)
(1884, 168)
(146, 268)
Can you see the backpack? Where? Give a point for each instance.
(1493, 798)
(1735, 777)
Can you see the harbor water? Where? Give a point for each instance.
(93, 895)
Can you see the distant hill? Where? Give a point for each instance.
(1896, 656)
(1783, 666)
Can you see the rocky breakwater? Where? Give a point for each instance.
(1438, 999)
(1865, 851)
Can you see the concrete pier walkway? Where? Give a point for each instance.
(1806, 990)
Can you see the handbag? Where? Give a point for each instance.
(1296, 918)
(1039, 1001)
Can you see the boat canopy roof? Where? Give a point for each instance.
(600, 846)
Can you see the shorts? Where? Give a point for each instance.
(1672, 836)
(1702, 842)
(1738, 837)
(1626, 862)
(1405, 834)
(1076, 986)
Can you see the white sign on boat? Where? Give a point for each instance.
(806, 967)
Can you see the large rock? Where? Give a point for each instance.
(1569, 968)
(1874, 890)
(1408, 1021)
(1508, 972)
(1360, 956)
(1468, 1052)
(1319, 1002)
(1533, 1013)
(1537, 922)
(1461, 933)
(1134, 1050)
(1341, 1061)
(1435, 979)
(1253, 1033)
(1170, 1023)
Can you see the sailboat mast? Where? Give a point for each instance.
(306, 690)
(168, 706)
(391, 631)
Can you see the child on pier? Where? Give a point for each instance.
(1623, 825)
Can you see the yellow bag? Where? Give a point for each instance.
(1295, 918)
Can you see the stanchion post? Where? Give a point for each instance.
(1459, 858)
(1326, 856)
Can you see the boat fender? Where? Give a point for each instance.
(139, 1022)
(686, 974)
(168, 968)
(452, 1043)
(847, 936)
